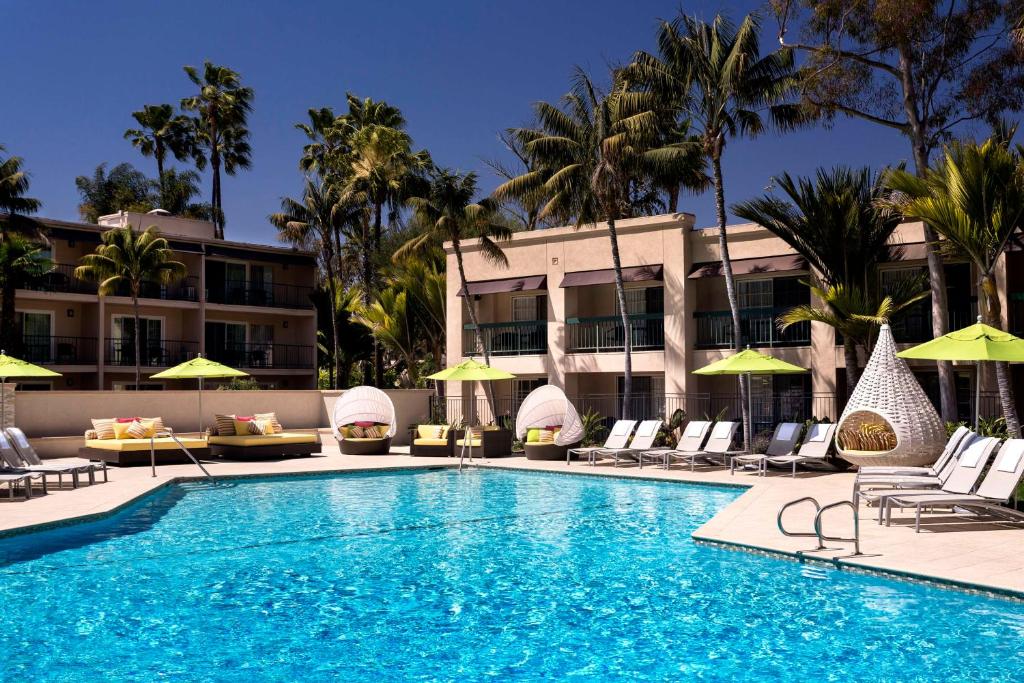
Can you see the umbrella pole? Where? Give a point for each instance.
(3, 403)
(750, 415)
(977, 395)
(200, 407)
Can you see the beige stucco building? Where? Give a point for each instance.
(245, 305)
(551, 316)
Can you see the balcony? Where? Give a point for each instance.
(246, 293)
(758, 326)
(51, 350)
(60, 278)
(526, 338)
(152, 354)
(185, 290)
(914, 326)
(605, 334)
(264, 355)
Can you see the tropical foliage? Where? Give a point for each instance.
(16, 227)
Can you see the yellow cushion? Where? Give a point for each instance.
(431, 442)
(430, 431)
(263, 440)
(365, 439)
(241, 427)
(142, 444)
(476, 443)
(121, 430)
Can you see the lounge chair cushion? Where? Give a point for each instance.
(431, 431)
(142, 444)
(533, 435)
(264, 440)
(367, 440)
(430, 442)
(474, 443)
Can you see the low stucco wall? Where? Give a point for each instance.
(56, 420)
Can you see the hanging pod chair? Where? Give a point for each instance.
(889, 420)
(364, 421)
(547, 409)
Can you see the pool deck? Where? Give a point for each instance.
(972, 553)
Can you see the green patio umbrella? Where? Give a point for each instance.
(978, 343)
(749, 362)
(16, 368)
(199, 368)
(470, 371)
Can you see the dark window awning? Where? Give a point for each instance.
(279, 256)
(512, 284)
(750, 266)
(584, 278)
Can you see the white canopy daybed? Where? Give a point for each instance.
(364, 421)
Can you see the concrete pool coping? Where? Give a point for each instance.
(977, 556)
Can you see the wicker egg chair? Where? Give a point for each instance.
(364, 404)
(548, 406)
(889, 420)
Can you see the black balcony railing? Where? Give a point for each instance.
(60, 278)
(246, 293)
(263, 355)
(185, 290)
(507, 339)
(53, 350)
(759, 328)
(605, 334)
(914, 325)
(152, 353)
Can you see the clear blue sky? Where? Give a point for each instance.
(460, 70)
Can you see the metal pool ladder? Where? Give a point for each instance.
(170, 433)
(818, 532)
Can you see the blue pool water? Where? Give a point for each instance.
(484, 575)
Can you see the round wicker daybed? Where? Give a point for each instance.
(889, 420)
(364, 422)
(548, 408)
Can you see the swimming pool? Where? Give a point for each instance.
(436, 575)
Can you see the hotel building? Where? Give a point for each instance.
(246, 305)
(552, 317)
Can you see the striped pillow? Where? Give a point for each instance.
(546, 436)
(273, 420)
(372, 432)
(261, 427)
(225, 425)
(104, 428)
(137, 430)
(357, 432)
(242, 424)
(158, 423)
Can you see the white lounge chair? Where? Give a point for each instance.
(814, 447)
(995, 490)
(618, 437)
(718, 446)
(783, 442)
(913, 480)
(31, 461)
(951, 450)
(962, 479)
(691, 441)
(642, 441)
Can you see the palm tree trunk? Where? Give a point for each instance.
(936, 271)
(478, 334)
(159, 154)
(627, 332)
(367, 278)
(378, 352)
(138, 336)
(672, 192)
(1004, 383)
(852, 363)
(218, 212)
(730, 289)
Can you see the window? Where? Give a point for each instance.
(754, 293)
(122, 351)
(643, 300)
(36, 335)
(261, 349)
(529, 308)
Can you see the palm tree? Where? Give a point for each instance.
(974, 199)
(222, 107)
(388, 320)
(715, 73)
(21, 259)
(124, 260)
(122, 189)
(179, 190)
(448, 213)
(160, 132)
(317, 222)
(586, 156)
(835, 222)
(14, 222)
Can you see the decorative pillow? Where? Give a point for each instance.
(376, 432)
(138, 430)
(121, 430)
(344, 432)
(261, 427)
(430, 431)
(546, 436)
(242, 425)
(225, 425)
(365, 423)
(357, 432)
(91, 434)
(273, 420)
(444, 431)
(158, 423)
(104, 428)
(553, 428)
(533, 435)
